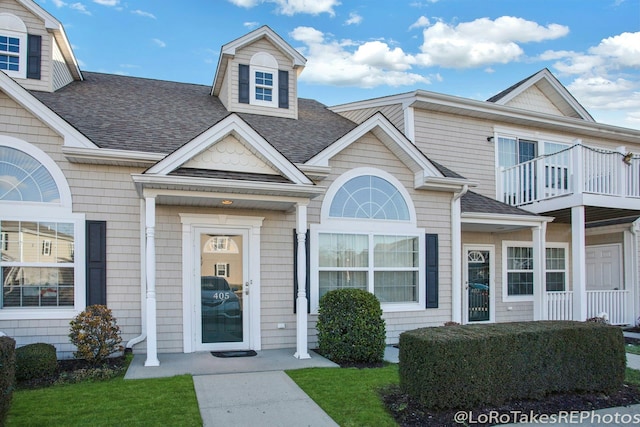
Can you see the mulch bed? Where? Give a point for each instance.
(68, 367)
(408, 412)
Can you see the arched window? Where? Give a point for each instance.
(41, 240)
(369, 197)
(23, 178)
(368, 240)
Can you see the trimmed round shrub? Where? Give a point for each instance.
(96, 334)
(350, 327)
(36, 360)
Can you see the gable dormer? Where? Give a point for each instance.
(34, 49)
(543, 93)
(258, 74)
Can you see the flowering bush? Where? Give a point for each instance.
(95, 334)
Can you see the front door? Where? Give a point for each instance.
(221, 297)
(604, 267)
(478, 284)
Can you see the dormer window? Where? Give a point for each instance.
(13, 45)
(19, 51)
(264, 86)
(261, 83)
(9, 53)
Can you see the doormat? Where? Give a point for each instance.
(235, 353)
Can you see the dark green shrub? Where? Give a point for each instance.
(350, 327)
(466, 366)
(7, 375)
(36, 360)
(96, 334)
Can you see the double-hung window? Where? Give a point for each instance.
(368, 240)
(518, 269)
(264, 86)
(41, 275)
(9, 53)
(13, 46)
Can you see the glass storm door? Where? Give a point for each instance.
(222, 292)
(478, 285)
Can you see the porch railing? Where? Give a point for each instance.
(577, 169)
(611, 302)
(560, 305)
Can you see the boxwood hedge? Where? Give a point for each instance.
(470, 365)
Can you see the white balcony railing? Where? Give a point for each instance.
(577, 169)
(613, 303)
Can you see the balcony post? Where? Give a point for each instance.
(578, 167)
(622, 169)
(579, 255)
(539, 275)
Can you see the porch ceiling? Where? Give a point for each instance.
(596, 214)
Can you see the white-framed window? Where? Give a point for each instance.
(41, 276)
(222, 269)
(264, 80)
(368, 239)
(13, 46)
(517, 265)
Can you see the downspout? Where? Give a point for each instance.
(143, 286)
(456, 255)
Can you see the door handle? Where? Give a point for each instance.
(246, 287)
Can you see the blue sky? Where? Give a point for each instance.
(361, 49)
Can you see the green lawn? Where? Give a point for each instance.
(349, 396)
(116, 402)
(635, 349)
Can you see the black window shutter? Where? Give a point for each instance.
(431, 271)
(283, 89)
(34, 54)
(295, 271)
(96, 257)
(243, 84)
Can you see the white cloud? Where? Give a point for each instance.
(159, 42)
(251, 25)
(80, 8)
(107, 2)
(59, 3)
(354, 19)
(345, 63)
(623, 49)
(291, 7)
(482, 41)
(422, 22)
(143, 13)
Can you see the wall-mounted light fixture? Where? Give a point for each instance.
(227, 202)
(627, 158)
(489, 139)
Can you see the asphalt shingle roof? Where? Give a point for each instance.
(476, 203)
(129, 113)
(137, 114)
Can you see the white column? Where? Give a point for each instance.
(301, 300)
(539, 272)
(152, 338)
(578, 255)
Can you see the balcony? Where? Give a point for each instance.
(578, 175)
